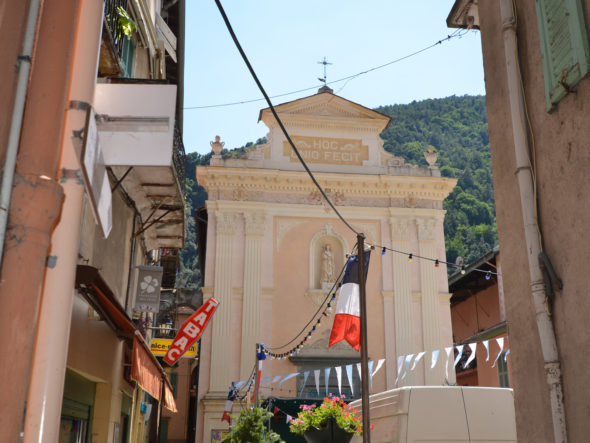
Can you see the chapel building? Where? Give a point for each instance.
(274, 249)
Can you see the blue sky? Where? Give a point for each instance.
(285, 40)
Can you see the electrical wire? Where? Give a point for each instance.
(456, 34)
(329, 295)
(276, 116)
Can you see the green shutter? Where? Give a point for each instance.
(564, 46)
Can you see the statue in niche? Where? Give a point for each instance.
(327, 276)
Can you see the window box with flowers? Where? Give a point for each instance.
(332, 421)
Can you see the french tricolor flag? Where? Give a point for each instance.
(347, 321)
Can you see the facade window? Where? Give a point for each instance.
(564, 47)
(503, 371)
(127, 53)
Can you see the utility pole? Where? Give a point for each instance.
(364, 351)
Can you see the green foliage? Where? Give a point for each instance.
(457, 127)
(251, 428)
(311, 416)
(128, 26)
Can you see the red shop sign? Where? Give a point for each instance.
(191, 331)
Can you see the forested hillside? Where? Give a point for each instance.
(456, 127)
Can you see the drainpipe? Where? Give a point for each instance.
(24, 66)
(42, 420)
(532, 237)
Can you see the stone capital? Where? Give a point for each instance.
(400, 228)
(426, 228)
(226, 222)
(255, 223)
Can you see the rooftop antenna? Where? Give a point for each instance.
(325, 63)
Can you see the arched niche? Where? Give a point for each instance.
(327, 237)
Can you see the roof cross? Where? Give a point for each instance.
(325, 63)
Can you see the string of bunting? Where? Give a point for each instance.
(269, 352)
(405, 365)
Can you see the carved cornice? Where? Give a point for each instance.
(252, 181)
(255, 223)
(226, 222)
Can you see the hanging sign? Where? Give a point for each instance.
(191, 331)
(147, 290)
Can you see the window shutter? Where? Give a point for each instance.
(564, 46)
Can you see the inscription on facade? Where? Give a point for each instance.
(338, 151)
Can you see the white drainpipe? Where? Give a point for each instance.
(24, 66)
(532, 238)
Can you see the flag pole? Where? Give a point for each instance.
(364, 352)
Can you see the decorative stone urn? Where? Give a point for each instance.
(431, 156)
(217, 145)
(330, 433)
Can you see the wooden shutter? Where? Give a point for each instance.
(564, 46)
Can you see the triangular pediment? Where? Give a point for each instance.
(325, 105)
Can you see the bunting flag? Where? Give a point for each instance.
(358, 368)
(408, 360)
(287, 377)
(506, 356)
(448, 351)
(327, 374)
(229, 403)
(459, 355)
(305, 375)
(417, 359)
(264, 381)
(400, 362)
(349, 376)
(289, 418)
(472, 356)
(347, 321)
(434, 358)
(486, 344)
(275, 412)
(339, 378)
(276, 379)
(370, 365)
(316, 374)
(379, 364)
(500, 342)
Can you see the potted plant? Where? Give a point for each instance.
(332, 421)
(251, 427)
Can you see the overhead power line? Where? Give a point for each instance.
(457, 34)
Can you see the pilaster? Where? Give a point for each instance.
(430, 300)
(251, 308)
(402, 292)
(222, 290)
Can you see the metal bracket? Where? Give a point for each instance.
(79, 105)
(71, 174)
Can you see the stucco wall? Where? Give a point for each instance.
(560, 141)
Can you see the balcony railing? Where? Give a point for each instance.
(113, 23)
(179, 158)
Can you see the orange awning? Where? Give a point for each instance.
(148, 374)
(145, 369)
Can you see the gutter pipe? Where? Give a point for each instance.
(24, 67)
(549, 350)
(46, 385)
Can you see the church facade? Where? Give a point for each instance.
(275, 249)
